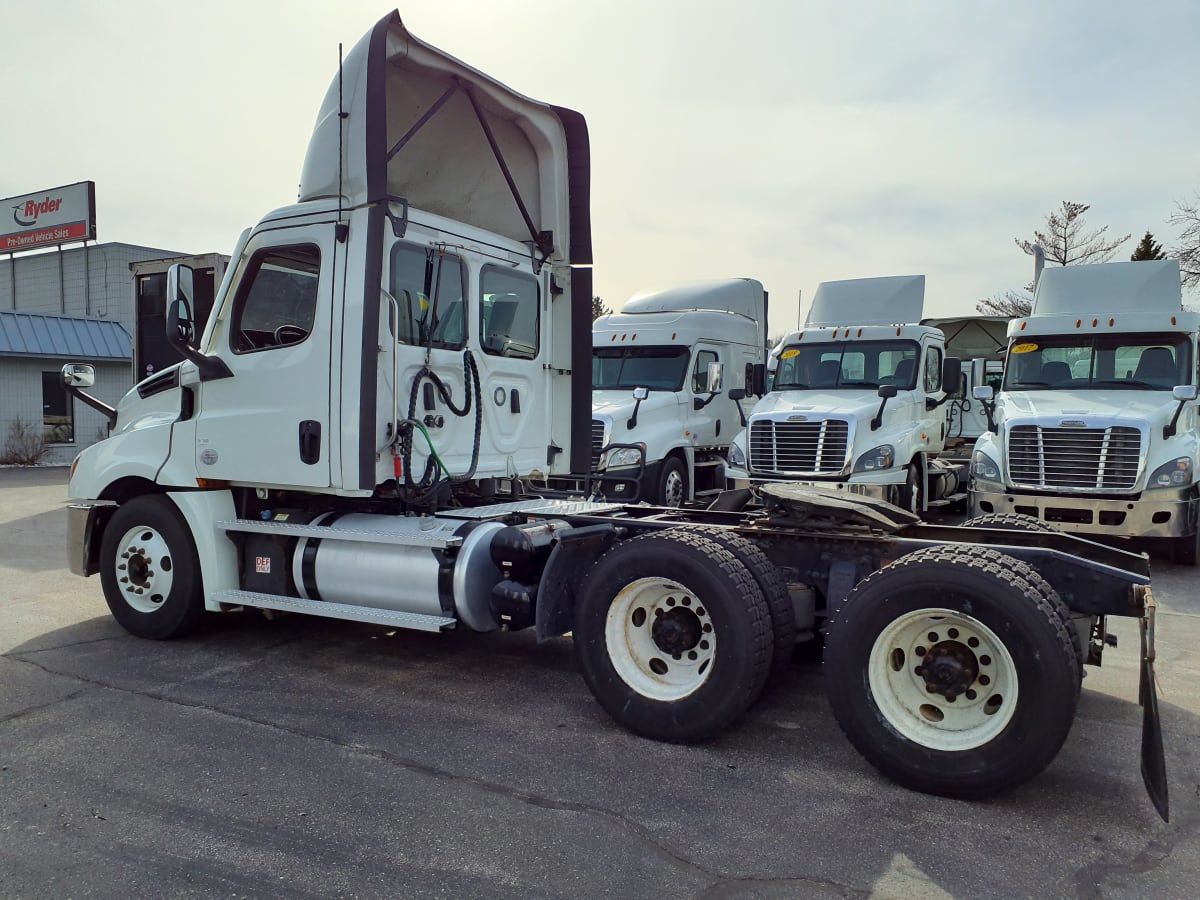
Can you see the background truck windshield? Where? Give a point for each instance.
(656, 368)
(867, 364)
(1155, 362)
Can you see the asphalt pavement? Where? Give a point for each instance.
(304, 757)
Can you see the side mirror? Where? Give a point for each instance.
(951, 374)
(983, 392)
(758, 380)
(715, 371)
(1181, 392)
(887, 391)
(641, 393)
(181, 325)
(737, 393)
(978, 370)
(81, 376)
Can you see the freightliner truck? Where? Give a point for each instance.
(394, 361)
(1095, 426)
(857, 398)
(662, 369)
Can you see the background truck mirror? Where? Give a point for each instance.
(180, 292)
(951, 374)
(758, 380)
(982, 392)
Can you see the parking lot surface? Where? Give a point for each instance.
(305, 757)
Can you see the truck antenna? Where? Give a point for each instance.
(799, 299)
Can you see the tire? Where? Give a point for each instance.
(912, 492)
(1018, 522)
(718, 620)
(149, 570)
(672, 487)
(902, 720)
(774, 590)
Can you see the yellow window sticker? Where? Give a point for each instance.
(1024, 348)
(788, 354)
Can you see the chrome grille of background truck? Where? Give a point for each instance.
(1082, 459)
(799, 448)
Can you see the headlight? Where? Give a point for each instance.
(984, 467)
(1176, 473)
(624, 456)
(881, 457)
(736, 457)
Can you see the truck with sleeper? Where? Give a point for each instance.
(662, 369)
(393, 365)
(856, 402)
(1095, 427)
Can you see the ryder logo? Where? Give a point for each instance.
(26, 214)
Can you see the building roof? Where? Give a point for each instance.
(66, 337)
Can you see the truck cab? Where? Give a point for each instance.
(856, 399)
(1094, 428)
(662, 370)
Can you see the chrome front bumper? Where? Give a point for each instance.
(1175, 517)
(877, 491)
(82, 519)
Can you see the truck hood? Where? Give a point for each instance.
(849, 404)
(1152, 406)
(619, 405)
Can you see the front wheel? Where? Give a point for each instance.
(672, 485)
(673, 635)
(912, 492)
(149, 570)
(952, 674)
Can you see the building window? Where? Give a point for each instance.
(58, 415)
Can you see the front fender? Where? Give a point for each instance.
(136, 452)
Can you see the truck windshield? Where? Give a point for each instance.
(624, 368)
(1135, 362)
(848, 365)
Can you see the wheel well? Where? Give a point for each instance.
(120, 491)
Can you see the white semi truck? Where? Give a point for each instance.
(856, 403)
(395, 361)
(1095, 426)
(662, 369)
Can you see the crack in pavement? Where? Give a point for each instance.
(17, 655)
(1089, 880)
(731, 888)
(40, 706)
(535, 800)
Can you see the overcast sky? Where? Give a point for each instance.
(793, 142)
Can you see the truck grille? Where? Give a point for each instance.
(798, 448)
(1083, 459)
(597, 441)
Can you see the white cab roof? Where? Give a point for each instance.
(1146, 287)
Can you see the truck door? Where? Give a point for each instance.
(706, 424)
(269, 423)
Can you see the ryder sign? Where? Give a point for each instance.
(46, 218)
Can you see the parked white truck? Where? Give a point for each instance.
(1095, 427)
(662, 369)
(856, 401)
(393, 363)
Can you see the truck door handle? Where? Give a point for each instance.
(310, 442)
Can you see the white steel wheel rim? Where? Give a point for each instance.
(673, 488)
(145, 569)
(660, 639)
(922, 659)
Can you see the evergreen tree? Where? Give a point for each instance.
(1148, 248)
(599, 309)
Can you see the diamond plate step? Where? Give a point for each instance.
(394, 618)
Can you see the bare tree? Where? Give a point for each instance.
(1013, 304)
(1187, 217)
(1066, 243)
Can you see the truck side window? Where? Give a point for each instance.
(429, 286)
(277, 300)
(700, 372)
(933, 371)
(508, 315)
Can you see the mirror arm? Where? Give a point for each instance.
(878, 420)
(99, 405)
(1170, 429)
(741, 412)
(632, 422)
(989, 409)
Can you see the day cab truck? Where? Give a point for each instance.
(856, 403)
(393, 365)
(1095, 426)
(662, 369)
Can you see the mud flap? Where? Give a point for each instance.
(1154, 762)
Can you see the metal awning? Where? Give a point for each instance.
(63, 337)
